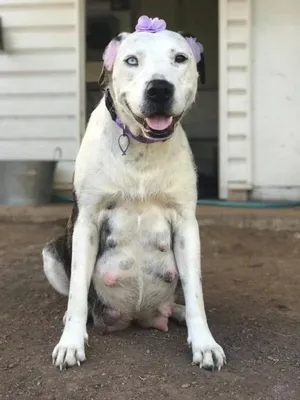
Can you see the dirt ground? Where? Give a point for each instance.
(251, 285)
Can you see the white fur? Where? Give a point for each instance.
(161, 173)
(55, 273)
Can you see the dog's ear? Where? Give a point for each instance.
(109, 57)
(103, 77)
(198, 51)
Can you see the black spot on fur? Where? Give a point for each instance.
(63, 244)
(92, 240)
(111, 205)
(96, 305)
(139, 156)
(182, 243)
(105, 232)
(111, 243)
(182, 282)
(126, 264)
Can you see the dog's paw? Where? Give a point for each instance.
(70, 350)
(207, 353)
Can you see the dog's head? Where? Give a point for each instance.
(152, 78)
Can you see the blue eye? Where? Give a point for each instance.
(132, 61)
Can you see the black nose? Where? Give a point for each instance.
(159, 91)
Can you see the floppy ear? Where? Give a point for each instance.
(109, 57)
(198, 51)
(102, 80)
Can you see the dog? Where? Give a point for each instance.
(133, 236)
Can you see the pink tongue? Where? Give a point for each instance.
(159, 123)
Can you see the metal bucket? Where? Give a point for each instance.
(26, 183)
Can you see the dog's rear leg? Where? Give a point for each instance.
(54, 267)
(178, 313)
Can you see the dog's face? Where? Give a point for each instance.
(153, 81)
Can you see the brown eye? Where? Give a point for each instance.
(180, 58)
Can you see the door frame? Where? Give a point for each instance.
(222, 112)
(80, 12)
(235, 99)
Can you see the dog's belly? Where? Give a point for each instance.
(136, 273)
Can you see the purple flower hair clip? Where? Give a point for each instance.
(146, 24)
(196, 47)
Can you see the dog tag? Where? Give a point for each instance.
(123, 146)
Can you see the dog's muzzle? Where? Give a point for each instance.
(158, 121)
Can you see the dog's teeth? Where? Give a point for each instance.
(78, 363)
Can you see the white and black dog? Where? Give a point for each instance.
(133, 234)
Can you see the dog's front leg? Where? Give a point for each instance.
(70, 349)
(206, 351)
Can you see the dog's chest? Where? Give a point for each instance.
(143, 176)
(147, 224)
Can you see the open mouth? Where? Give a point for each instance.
(156, 126)
(159, 126)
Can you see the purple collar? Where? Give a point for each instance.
(126, 131)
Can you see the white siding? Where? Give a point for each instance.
(235, 102)
(39, 104)
(276, 99)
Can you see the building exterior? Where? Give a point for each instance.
(249, 109)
